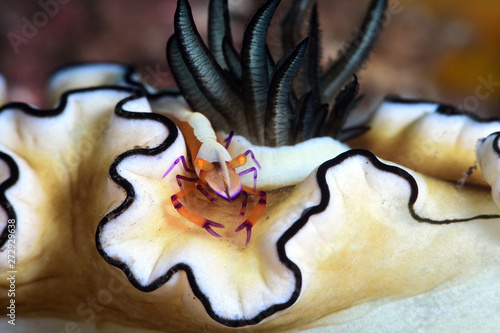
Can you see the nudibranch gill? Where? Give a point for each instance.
(251, 94)
(347, 241)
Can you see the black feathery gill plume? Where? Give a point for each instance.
(251, 94)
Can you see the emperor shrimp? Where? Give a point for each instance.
(214, 169)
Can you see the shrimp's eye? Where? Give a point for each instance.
(238, 161)
(203, 165)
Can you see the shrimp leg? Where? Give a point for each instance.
(256, 212)
(190, 214)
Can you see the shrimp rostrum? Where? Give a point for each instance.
(214, 169)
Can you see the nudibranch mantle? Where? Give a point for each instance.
(89, 76)
(343, 232)
(286, 165)
(319, 250)
(488, 157)
(435, 139)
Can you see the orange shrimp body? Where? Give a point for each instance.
(214, 167)
(211, 161)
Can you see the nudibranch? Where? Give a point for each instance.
(365, 228)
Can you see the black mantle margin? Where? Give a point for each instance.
(137, 92)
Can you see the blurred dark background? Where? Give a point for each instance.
(440, 50)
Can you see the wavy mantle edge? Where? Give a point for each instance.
(46, 113)
(280, 244)
(139, 92)
(4, 202)
(442, 108)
